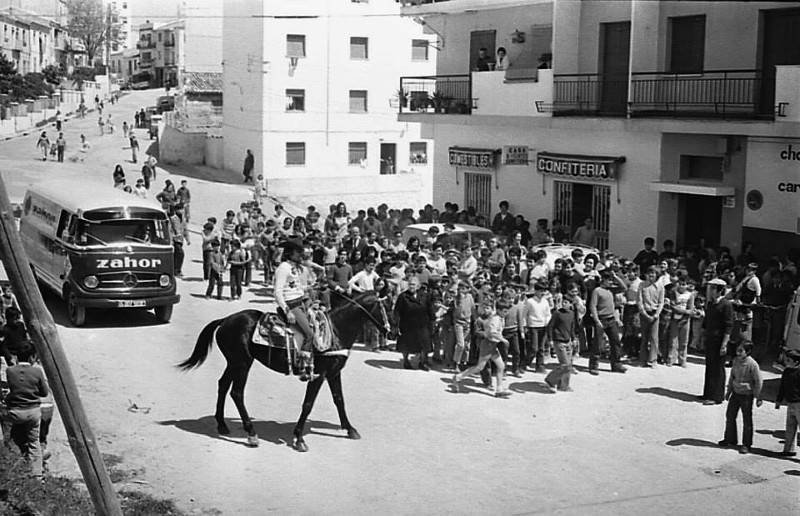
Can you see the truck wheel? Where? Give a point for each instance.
(77, 314)
(163, 313)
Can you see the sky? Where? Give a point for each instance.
(158, 11)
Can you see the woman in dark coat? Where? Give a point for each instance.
(414, 312)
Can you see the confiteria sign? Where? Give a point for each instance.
(598, 168)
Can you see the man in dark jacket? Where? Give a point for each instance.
(503, 223)
(717, 327)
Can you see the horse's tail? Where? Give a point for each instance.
(201, 349)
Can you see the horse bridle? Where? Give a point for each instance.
(378, 324)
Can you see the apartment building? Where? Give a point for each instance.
(676, 120)
(311, 87)
(27, 39)
(124, 63)
(161, 51)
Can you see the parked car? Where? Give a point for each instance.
(555, 251)
(463, 233)
(165, 103)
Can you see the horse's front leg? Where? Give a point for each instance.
(299, 443)
(335, 383)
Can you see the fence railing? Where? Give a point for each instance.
(450, 94)
(708, 94)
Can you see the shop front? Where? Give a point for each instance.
(772, 195)
(581, 190)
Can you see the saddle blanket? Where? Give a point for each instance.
(272, 330)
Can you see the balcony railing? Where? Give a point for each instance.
(449, 94)
(717, 94)
(708, 94)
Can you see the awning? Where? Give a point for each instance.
(471, 157)
(578, 166)
(693, 188)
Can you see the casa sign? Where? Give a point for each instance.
(574, 166)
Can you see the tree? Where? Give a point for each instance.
(7, 68)
(93, 26)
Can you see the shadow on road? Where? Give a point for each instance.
(269, 431)
(676, 395)
(688, 441)
(384, 364)
(700, 443)
(539, 387)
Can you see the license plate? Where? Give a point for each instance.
(134, 303)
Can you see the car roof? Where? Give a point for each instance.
(459, 228)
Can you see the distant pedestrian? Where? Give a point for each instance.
(101, 123)
(744, 386)
(110, 124)
(563, 332)
(142, 118)
(185, 198)
(82, 109)
(140, 189)
(136, 120)
(58, 121)
(125, 129)
(43, 144)
(84, 148)
(249, 165)
(147, 175)
(134, 147)
(152, 162)
(236, 259)
(61, 146)
(118, 176)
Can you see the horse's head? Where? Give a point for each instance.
(369, 306)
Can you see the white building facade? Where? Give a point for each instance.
(675, 120)
(311, 88)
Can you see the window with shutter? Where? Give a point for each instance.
(295, 45)
(359, 48)
(295, 153)
(357, 153)
(419, 50)
(358, 101)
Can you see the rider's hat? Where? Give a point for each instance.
(291, 245)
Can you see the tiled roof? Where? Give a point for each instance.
(203, 82)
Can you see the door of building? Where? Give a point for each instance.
(479, 39)
(781, 46)
(388, 158)
(576, 202)
(614, 68)
(478, 193)
(699, 217)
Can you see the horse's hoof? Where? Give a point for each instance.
(252, 441)
(353, 434)
(300, 446)
(223, 430)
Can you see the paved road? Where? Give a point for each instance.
(620, 444)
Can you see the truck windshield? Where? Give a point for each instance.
(124, 231)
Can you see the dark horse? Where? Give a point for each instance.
(234, 340)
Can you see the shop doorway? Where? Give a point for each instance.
(699, 217)
(388, 158)
(576, 202)
(614, 78)
(781, 46)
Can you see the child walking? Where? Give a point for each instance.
(216, 268)
(789, 393)
(563, 331)
(744, 386)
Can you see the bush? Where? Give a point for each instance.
(24, 87)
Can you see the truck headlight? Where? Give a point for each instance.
(164, 280)
(91, 281)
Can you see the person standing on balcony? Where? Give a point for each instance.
(503, 63)
(249, 164)
(484, 63)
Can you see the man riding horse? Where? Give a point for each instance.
(292, 288)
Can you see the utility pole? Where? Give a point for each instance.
(43, 332)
